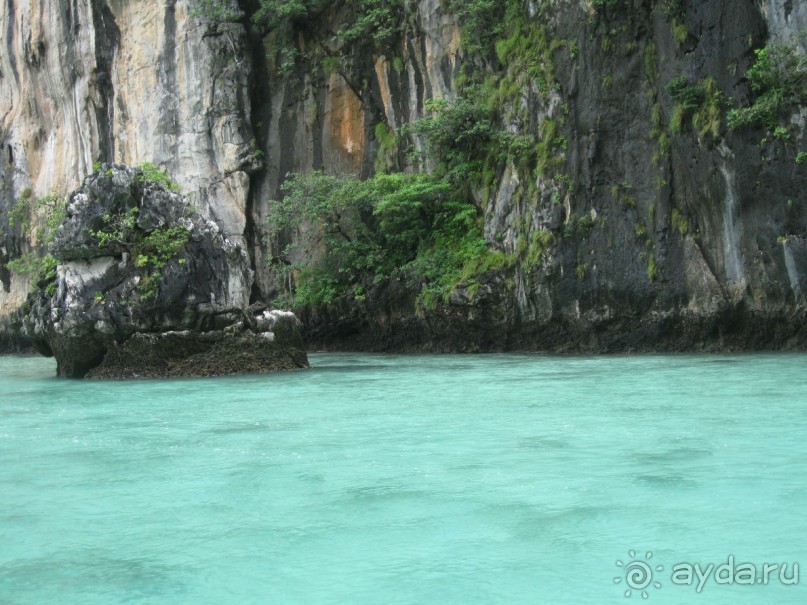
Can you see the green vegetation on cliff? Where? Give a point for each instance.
(151, 250)
(427, 227)
(505, 139)
(409, 226)
(40, 269)
(38, 220)
(779, 79)
(43, 214)
(701, 102)
(151, 173)
(362, 23)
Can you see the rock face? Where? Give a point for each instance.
(662, 240)
(145, 286)
(622, 275)
(126, 83)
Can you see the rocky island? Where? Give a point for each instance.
(138, 284)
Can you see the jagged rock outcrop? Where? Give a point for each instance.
(660, 240)
(145, 286)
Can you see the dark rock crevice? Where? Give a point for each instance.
(168, 120)
(106, 47)
(260, 114)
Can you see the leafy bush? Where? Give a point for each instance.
(20, 213)
(779, 78)
(46, 214)
(687, 95)
(481, 22)
(672, 9)
(362, 22)
(387, 148)
(151, 173)
(680, 32)
(216, 11)
(458, 136)
(32, 264)
(362, 232)
(40, 269)
(378, 21)
(51, 210)
(154, 252)
(275, 14)
(150, 250)
(463, 143)
(162, 245)
(118, 230)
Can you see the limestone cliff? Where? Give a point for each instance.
(652, 237)
(123, 82)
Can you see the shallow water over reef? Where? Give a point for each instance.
(407, 479)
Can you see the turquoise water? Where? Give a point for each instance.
(405, 479)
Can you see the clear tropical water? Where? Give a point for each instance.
(405, 479)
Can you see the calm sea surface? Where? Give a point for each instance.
(385, 480)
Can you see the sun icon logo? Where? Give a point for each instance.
(638, 574)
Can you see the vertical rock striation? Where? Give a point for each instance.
(124, 82)
(640, 234)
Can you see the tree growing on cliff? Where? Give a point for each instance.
(779, 79)
(216, 11)
(351, 234)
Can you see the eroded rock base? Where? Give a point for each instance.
(188, 354)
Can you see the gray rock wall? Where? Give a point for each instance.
(132, 82)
